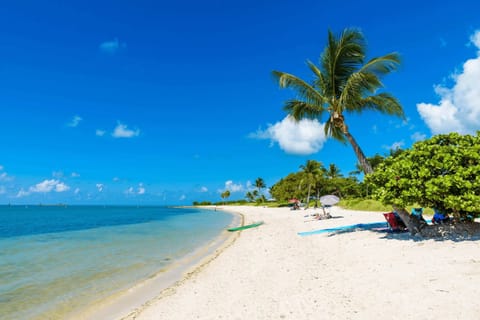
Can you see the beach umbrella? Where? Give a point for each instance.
(293, 200)
(329, 200)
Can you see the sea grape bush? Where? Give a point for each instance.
(442, 172)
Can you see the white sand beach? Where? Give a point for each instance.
(270, 272)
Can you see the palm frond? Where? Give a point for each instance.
(382, 65)
(300, 109)
(384, 103)
(341, 58)
(304, 90)
(359, 84)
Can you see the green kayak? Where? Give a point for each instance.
(248, 226)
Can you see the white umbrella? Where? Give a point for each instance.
(329, 200)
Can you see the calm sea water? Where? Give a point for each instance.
(55, 260)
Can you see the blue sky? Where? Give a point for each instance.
(153, 102)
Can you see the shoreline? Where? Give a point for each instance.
(271, 272)
(132, 300)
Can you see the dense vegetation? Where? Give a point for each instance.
(442, 172)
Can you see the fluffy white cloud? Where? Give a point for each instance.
(75, 121)
(100, 133)
(77, 191)
(22, 193)
(112, 47)
(418, 136)
(122, 131)
(459, 106)
(75, 175)
(303, 137)
(141, 189)
(396, 145)
(229, 185)
(203, 189)
(100, 187)
(48, 186)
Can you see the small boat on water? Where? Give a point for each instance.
(248, 226)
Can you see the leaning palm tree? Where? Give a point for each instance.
(310, 169)
(343, 83)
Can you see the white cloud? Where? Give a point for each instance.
(303, 137)
(459, 106)
(48, 186)
(122, 131)
(418, 136)
(3, 190)
(229, 185)
(116, 179)
(182, 197)
(203, 189)
(75, 175)
(112, 47)
(61, 187)
(140, 190)
(396, 145)
(22, 193)
(100, 133)
(57, 174)
(100, 187)
(77, 191)
(475, 39)
(75, 121)
(5, 177)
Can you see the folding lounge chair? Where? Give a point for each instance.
(395, 223)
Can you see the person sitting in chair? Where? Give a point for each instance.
(418, 213)
(440, 217)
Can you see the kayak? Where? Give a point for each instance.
(248, 226)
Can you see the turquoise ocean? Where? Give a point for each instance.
(55, 261)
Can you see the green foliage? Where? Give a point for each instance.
(241, 202)
(296, 185)
(202, 203)
(289, 187)
(364, 205)
(442, 172)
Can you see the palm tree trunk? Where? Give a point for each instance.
(367, 168)
(308, 196)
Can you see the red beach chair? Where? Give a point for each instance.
(396, 224)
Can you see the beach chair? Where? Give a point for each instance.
(394, 222)
(418, 213)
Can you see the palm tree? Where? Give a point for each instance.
(343, 83)
(250, 197)
(311, 169)
(260, 184)
(225, 195)
(333, 171)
